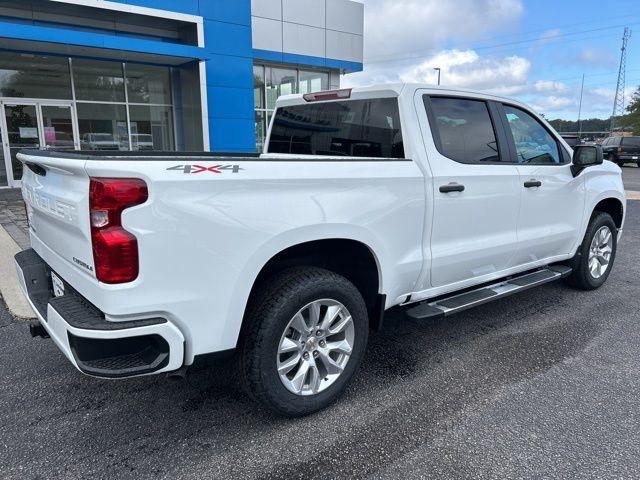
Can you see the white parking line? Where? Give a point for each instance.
(9, 285)
(631, 195)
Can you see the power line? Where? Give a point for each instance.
(426, 53)
(540, 30)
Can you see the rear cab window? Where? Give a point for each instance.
(631, 141)
(352, 128)
(462, 129)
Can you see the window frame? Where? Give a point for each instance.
(562, 152)
(498, 130)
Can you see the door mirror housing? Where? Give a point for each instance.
(586, 156)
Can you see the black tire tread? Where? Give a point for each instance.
(580, 277)
(268, 299)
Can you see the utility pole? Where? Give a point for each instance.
(438, 69)
(618, 101)
(580, 110)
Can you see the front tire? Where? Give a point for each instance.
(594, 259)
(305, 336)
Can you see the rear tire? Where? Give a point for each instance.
(293, 367)
(594, 260)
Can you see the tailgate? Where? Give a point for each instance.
(56, 191)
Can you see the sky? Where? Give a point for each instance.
(533, 50)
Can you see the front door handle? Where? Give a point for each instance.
(532, 183)
(452, 187)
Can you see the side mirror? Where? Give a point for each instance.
(586, 156)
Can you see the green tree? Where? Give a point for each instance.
(632, 119)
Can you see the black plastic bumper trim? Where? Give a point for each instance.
(76, 310)
(119, 357)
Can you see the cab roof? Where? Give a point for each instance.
(402, 89)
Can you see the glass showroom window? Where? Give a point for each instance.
(313, 81)
(34, 76)
(102, 126)
(148, 84)
(271, 82)
(98, 81)
(123, 106)
(151, 127)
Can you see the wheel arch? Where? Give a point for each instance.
(299, 247)
(614, 207)
(350, 258)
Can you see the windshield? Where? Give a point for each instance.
(355, 128)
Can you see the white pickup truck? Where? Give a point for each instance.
(430, 199)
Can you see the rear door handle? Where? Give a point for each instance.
(452, 187)
(532, 183)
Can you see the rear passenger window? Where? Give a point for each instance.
(534, 144)
(462, 129)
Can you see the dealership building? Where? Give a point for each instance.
(162, 74)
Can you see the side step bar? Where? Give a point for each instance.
(462, 301)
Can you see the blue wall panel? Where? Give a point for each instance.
(234, 11)
(227, 71)
(232, 135)
(227, 33)
(227, 38)
(226, 102)
(66, 36)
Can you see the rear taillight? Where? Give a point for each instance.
(619, 150)
(115, 250)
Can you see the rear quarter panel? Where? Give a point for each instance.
(203, 237)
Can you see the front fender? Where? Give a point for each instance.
(601, 183)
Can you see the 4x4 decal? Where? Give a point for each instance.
(203, 168)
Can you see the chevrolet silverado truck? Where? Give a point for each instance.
(430, 200)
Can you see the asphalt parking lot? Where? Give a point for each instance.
(541, 385)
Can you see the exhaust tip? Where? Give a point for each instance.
(36, 330)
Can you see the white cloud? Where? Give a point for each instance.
(459, 68)
(406, 39)
(552, 103)
(550, 86)
(468, 69)
(597, 57)
(399, 27)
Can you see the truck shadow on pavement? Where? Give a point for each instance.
(414, 375)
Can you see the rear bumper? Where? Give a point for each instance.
(94, 345)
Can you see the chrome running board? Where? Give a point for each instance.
(472, 298)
